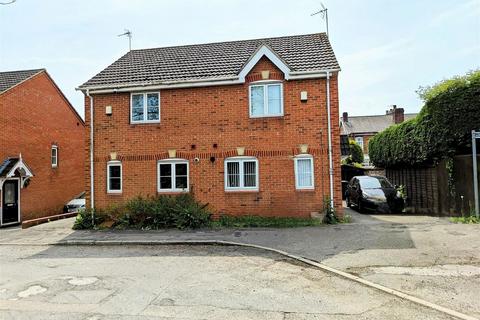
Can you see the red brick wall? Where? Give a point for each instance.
(220, 115)
(33, 116)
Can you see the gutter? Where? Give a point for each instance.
(294, 75)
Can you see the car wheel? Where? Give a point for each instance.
(349, 204)
(360, 206)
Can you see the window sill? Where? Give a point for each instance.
(241, 190)
(144, 122)
(267, 116)
(110, 193)
(167, 192)
(305, 190)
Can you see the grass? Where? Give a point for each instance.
(466, 220)
(263, 222)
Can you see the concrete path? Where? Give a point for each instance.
(426, 257)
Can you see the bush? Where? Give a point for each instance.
(84, 220)
(330, 215)
(442, 129)
(356, 152)
(159, 212)
(356, 155)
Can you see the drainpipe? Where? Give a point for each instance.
(330, 155)
(91, 153)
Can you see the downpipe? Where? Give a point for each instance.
(92, 196)
(330, 155)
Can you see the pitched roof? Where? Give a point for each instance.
(7, 165)
(10, 79)
(222, 60)
(370, 124)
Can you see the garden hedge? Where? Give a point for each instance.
(442, 128)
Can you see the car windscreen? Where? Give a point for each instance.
(374, 183)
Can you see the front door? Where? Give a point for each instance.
(10, 204)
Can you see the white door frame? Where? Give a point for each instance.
(1, 202)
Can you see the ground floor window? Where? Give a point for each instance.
(241, 173)
(114, 177)
(304, 172)
(173, 175)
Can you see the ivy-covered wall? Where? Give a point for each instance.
(441, 130)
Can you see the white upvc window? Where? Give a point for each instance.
(304, 177)
(359, 141)
(266, 99)
(114, 177)
(241, 173)
(173, 175)
(54, 156)
(145, 107)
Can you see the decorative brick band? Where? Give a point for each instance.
(258, 77)
(220, 155)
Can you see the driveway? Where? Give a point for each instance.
(426, 257)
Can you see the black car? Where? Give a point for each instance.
(374, 194)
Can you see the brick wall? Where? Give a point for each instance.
(33, 116)
(219, 116)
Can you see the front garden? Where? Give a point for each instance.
(184, 212)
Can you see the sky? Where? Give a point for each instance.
(386, 48)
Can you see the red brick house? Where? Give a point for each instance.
(41, 147)
(363, 128)
(244, 125)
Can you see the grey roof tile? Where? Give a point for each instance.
(370, 124)
(309, 52)
(9, 79)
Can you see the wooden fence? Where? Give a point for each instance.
(428, 191)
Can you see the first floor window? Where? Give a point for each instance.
(266, 100)
(114, 177)
(173, 176)
(304, 172)
(54, 156)
(145, 107)
(359, 141)
(241, 174)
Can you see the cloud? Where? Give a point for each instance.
(462, 11)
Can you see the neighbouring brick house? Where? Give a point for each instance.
(243, 125)
(363, 128)
(41, 147)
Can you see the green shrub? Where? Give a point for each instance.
(356, 152)
(330, 215)
(466, 220)
(356, 155)
(441, 130)
(84, 219)
(159, 212)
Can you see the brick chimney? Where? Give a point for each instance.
(397, 114)
(345, 117)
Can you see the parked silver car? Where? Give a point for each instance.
(75, 204)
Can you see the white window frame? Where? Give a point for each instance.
(357, 139)
(52, 158)
(145, 107)
(172, 163)
(110, 164)
(265, 85)
(241, 160)
(304, 157)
